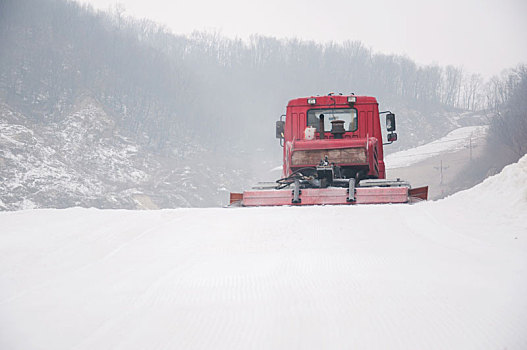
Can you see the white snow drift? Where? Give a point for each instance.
(439, 275)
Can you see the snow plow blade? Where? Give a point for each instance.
(321, 196)
(418, 194)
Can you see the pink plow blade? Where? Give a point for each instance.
(328, 196)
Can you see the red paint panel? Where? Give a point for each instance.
(320, 196)
(378, 195)
(267, 197)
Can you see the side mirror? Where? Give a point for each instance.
(392, 137)
(280, 129)
(390, 122)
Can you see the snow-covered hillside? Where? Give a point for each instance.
(457, 139)
(450, 274)
(85, 159)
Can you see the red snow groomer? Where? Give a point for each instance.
(333, 154)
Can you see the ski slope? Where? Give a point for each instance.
(450, 274)
(454, 141)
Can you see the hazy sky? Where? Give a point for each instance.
(482, 36)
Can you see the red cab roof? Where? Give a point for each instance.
(331, 100)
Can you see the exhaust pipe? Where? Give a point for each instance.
(321, 127)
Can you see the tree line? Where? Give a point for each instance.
(164, 88)
(509, 108)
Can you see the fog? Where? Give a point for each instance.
(110, 108)
(483, 37)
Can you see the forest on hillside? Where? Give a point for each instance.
(162, 87)
(509, 109)
(100, 109)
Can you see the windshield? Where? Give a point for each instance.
(348, 115)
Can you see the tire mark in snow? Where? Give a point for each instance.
(141, 235)
(287, 281)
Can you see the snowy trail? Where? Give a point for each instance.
(456, 140)
(440, 275)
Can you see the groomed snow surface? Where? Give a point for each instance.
(450, 274)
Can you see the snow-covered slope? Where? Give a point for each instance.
(85, 159)
(455, 140)
(450, 274)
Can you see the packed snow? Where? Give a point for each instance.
(454, 141)
(450, 274)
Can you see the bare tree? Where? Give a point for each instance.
(509, 126)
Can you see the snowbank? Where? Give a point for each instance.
(508, 189)
(450, 274)
(493, 211)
